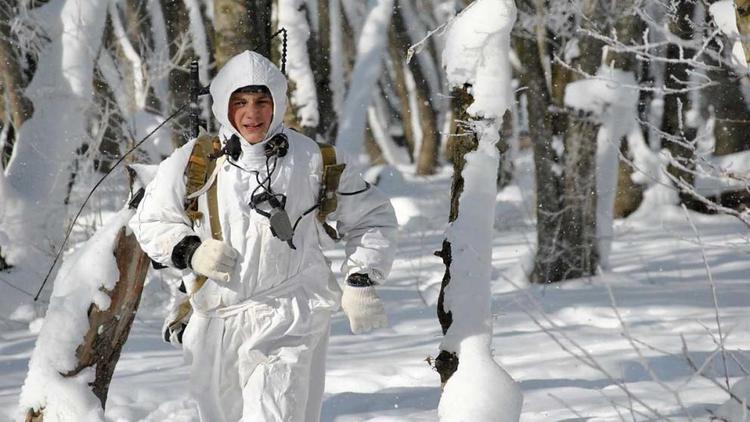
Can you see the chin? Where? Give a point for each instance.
(253, 139)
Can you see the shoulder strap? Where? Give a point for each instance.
(199, 169)
(329, 184)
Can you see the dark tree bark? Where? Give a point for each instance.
(319, 49)
(177, 20)
(464, 141)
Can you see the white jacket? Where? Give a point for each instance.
(366, 220)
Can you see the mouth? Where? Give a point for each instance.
(252, 127)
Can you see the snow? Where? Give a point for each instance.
(477, 52)
(657, 277)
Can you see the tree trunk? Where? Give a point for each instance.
(302, 112)
(543, 125)
(679, 137)
(397, 52)
(20, 107)
(319, 50)
(629, 28)
(177, 20)
(109, 329)
(578, 247)
(12, 102)
(428, 149)
(241, 25)
(464, 141)
(742, 15)
(726, 101)
(579, 255)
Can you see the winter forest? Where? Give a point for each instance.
(571, 180)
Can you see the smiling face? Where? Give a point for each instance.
(251, 114)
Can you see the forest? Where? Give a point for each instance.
(571, 180)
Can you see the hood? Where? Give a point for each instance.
(248, 68)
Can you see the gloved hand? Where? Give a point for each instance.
(177, 319)
(363, 307)
(173, 333)
(214, 259)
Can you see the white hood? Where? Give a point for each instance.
(248, 68)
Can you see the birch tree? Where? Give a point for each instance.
(476, 59)
(34, 183)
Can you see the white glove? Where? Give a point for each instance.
(363, 307)
(214, 259)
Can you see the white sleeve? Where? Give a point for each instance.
(160, 221)
(367, 223)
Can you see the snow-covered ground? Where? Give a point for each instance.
(658, 280)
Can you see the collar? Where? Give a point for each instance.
(250, 152)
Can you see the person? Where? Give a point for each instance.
(258, 335)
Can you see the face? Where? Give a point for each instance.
(251, 114)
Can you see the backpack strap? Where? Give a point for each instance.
(198, 172)
(329, 184)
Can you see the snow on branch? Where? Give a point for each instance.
(476, 53)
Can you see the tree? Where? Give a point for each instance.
(427, 155)
(34, 184)
(241, 25)
(104, 325)
(476, 60)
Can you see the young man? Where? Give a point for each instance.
(258, 335)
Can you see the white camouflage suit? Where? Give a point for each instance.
(256, 344)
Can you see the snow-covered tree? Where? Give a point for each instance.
(476, 58)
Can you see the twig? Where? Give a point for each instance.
(713, 296)
(641, 357)
(711, 379)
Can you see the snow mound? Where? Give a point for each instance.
(495, 397)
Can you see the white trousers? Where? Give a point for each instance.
(259, 361)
